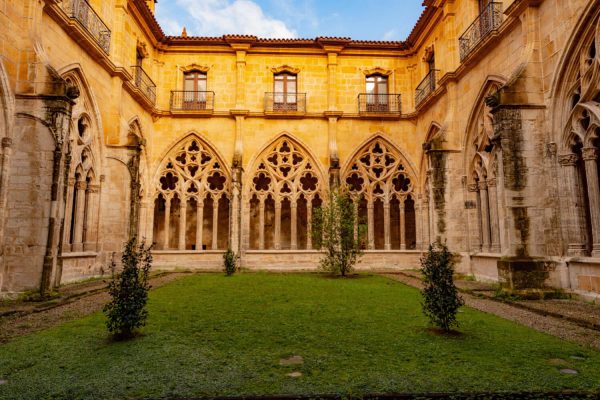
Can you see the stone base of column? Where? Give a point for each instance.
(402, 247)
(89, 246)
(577, 250)
(495, 249)
(77, 247)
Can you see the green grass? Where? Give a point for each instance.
(211, 335)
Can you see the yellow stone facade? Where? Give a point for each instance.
(472, 143)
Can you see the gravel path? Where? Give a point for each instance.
(12, 327)
(551, 325)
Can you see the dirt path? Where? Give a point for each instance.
(86, 303)
(554, 326)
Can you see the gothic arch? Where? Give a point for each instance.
(191, 193)
(481, 153)
(285, 184)
(84, 167)
(576, 130)
(382, 181)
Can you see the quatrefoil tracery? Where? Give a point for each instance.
(285, 171)
(378, 172)
(193, 171)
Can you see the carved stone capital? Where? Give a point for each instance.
(93, 189)
(568, 160)
(473, 187)
(482, 185)
(491, 182)
(590, 154)
(6, 142)
(81, 185)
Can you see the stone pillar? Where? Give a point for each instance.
(91, 223)
(370, 225)
(402, 225)
(309, 224)
(261, 223)
(80, 188)
(68, 216)
(240, 88)
(494, 220)
(294, 224)
(277, 235)
(150, 223)
(427, 216)
(182, 223)
(387, 225)
(485, 215)
(199, 223)
(590, 156)
(4, 173)
(573, 213)
(215, 224)
(167, 222)
(473, 188)
(332, 81)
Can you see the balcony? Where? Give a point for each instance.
(83, 13)
(192, 101)
(372, 104)
(143, 82)
(426, 87)
(487, 22)
(285, 103)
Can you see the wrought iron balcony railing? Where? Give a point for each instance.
(81, 11)
(488, 21)
(184, 100)
(379, 103)
(143, 82)
(426, 87)
(281, 102)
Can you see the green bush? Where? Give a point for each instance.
(337, 230)
(229, 262)
(129, 291)
(440, 296)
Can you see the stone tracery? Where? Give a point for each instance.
(192, 199)
(382, 189)
(284, 189)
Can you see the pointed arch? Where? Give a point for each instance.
(191, 194)
(434, 138)
(285, 184)
(382, 181)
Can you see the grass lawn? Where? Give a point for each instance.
(211, 335)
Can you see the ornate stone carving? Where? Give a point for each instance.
(568, 160)
(590, 154)
(377, 71)
(285, 68)
(195, 67)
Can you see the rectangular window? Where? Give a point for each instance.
(194, 86)
(285, 92)
(377, 93)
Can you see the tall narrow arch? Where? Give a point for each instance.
(285, 185)
(382, 181)
(191, 197)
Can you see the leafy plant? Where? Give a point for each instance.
(126, 311)
(440, 296)
(337, 230)
(229, 262)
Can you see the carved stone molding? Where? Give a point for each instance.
(473, 187)
(377, 71)
(568, 160)
(491, 182)
(482, 185)
(285, 68)
(81, 185)
(195, 67)
(590, 154)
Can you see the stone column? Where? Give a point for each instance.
(261, 223)
(182, 223)
(150, 222)
(494, 220)
(370, 225)
(332, 81)
(215, 224)
(590, 156)
(80, 188)
(91, 223)
(573, 215)
(240, 89)
(294, 224)
(427, 216)
(4, 174)
(485, 215)
(309, 224)
(386, 225)
(402, 225)
(199, 223)
(277, 235)
(68, 216)
(167, 222)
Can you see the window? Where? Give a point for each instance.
(285, 92)
(377, 93)
(194, 86)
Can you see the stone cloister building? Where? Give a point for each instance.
(481, 129)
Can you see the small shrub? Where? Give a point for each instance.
(229, 262)
(129, 291)
(440, 296)
(337, 230)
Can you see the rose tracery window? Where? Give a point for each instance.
(382, 190)
(192, 203)
(285, 188)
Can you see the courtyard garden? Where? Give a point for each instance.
(290, 334)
